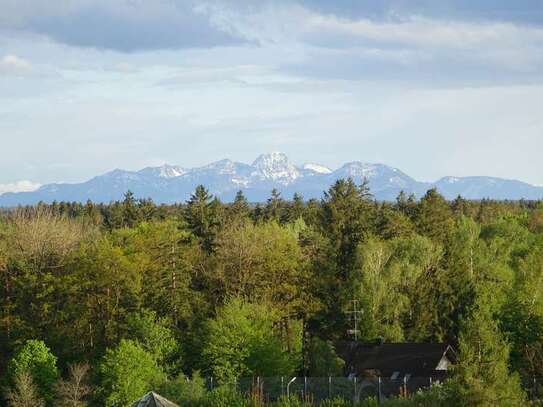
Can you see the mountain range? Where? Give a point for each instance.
(169, 183)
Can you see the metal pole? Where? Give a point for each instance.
(282, 386)
(329, 387)
(211, 382)
(355, 397)
(305, 387)
(379, 389)
(288, 386)
(405, 385)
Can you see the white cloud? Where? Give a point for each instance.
(19, 186)
(414, 39)
(12, 64)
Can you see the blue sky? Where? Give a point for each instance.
(434, 88)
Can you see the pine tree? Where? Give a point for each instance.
(407, 204)
(274, 206)
(294, 209)
(130, 210)
(434, 217)
(239, 209)
(202, 217)
(345, 220)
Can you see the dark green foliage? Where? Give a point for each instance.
(324, 361)
(202, 216)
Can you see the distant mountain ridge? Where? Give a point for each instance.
(170, 183)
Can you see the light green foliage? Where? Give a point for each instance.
(388, 283)
(241, 342)
(36, 359)
(153, 333)
(381, 300)
(127, 372)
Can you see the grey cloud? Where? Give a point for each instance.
(126, 26)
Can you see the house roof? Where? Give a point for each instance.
(416, 359)
(152, 399)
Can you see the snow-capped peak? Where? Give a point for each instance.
(275, 166)
(164, 171)
(318, 168)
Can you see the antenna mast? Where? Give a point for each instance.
(354, 317)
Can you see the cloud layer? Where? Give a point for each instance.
(435, 88)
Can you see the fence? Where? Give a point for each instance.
(317, 389)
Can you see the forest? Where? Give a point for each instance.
(100, 303)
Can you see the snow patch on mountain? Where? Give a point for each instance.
(318, 168)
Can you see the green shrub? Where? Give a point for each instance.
(185, 392)
(225, 396)
(437, 396)
(336, 402)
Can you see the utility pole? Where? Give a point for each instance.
(354, 317)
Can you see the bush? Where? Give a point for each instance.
(185, 392)
(225, 396)
(437, 396)
(336, 402)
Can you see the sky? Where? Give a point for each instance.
(453, 87)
